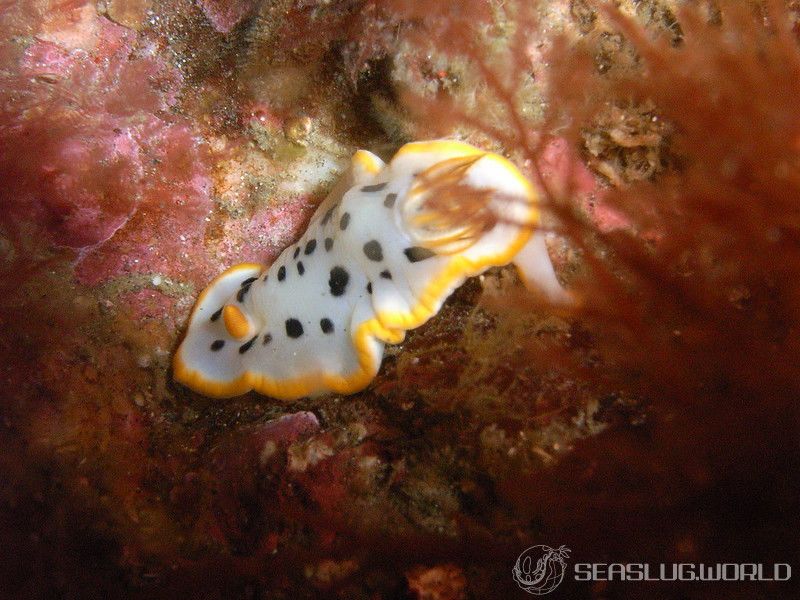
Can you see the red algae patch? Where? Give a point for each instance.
(224, 15)
(96, 163)
(442, 582)
(166, 232)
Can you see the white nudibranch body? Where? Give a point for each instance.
(370, 266)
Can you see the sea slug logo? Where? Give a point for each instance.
(540, 569)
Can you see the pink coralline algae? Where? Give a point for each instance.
(288, 428)
(224, 15)
(246, 447)
(166, 231)
(91, 157)
(270, 230)
(565, 175)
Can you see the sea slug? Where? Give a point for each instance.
(374, 262)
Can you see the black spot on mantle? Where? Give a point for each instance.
(338, 281)
(243, 292)
(326, 325)
(294, 328)
(417, 253)
(373, 250)
(328, 215)
(247, 345)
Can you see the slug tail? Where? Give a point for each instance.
(208, 360)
